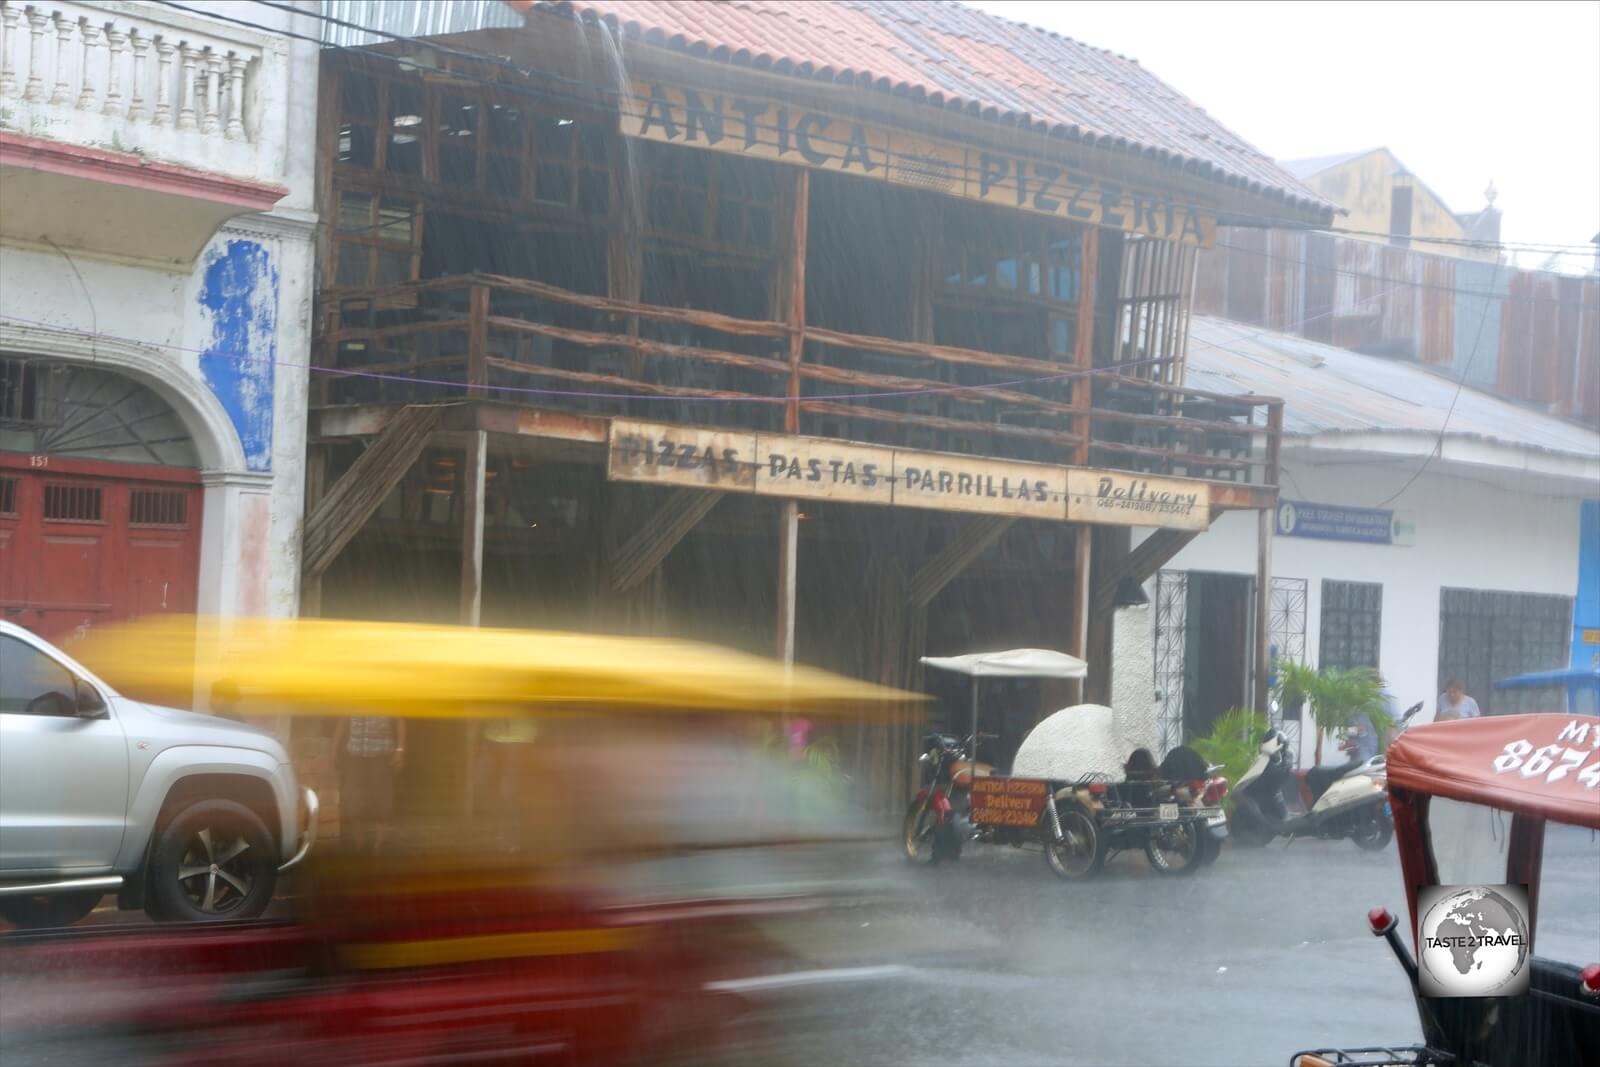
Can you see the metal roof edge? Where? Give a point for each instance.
(1576, 466)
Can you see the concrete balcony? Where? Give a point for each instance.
(114, 113)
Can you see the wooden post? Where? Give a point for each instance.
(1083, 345)
(478, 342)
(473, 474)
(794, 306)
(788, 544)
(1274, 445)
(1264, 520)
(316, 479)
(1083, 538)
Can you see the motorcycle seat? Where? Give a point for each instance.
(1318, 779)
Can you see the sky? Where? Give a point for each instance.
(1463, 93)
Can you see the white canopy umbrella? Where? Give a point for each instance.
(1017, 663)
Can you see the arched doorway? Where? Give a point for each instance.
(100, 499)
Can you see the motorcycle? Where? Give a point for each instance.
(1347, 801)
(1172, 813)
(937, 820)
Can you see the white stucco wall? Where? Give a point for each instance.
(1133, 692)
(225, 340)
(1471, 533)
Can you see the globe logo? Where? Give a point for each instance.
(1474, 941)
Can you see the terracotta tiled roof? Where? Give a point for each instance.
(956, 57)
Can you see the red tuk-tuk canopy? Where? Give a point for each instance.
(1547, 766)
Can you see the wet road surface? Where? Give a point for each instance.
(994, 961)
(1264, 954)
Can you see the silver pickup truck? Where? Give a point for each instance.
(187, 816)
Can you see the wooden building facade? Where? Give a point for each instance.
(633, 339)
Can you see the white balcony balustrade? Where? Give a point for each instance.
(143, 79)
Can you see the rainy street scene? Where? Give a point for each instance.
(616, 533)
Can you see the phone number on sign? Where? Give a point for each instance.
(1557, 761)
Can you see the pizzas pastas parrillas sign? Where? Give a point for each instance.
(1008, 801)
(815, 468)
(788, 133)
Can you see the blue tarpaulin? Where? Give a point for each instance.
(1577, 681)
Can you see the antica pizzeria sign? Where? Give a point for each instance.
(767, 129)
(814, 468)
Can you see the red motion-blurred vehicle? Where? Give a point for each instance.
(601, 909)
(1472, 801)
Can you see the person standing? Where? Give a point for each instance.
(1455, 704)
(371, 750)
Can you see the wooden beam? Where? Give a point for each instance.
(788, 551)
(972, 541)
(478, 341)
(1264, 523)
(474, 478)
(1080, 602)
(794, 295)
(350, 501)
(1153, 553)
(310, 605)
(1083, 344)
(1082, 587)
(638, 557)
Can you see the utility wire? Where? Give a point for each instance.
(1438, 445)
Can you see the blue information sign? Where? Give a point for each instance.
(1335, 522)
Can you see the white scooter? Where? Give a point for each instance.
(1350, 800)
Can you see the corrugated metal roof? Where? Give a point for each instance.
(1333, 390)
(432, 19)
(1306, 168)
(962, 59)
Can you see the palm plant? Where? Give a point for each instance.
(1340, 697)
(1346, 696)
(1232, 742)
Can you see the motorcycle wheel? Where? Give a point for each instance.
(1210, 848)
(1248, 826)
(1078, 854)
(1373, 835)
(920, 828)
(1175, 850)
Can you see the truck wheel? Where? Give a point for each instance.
(214, 860)
(61, 909)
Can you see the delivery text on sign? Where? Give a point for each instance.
(1008, 801)
(741, 125)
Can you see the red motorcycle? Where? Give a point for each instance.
(937, 818)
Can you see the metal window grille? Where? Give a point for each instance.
(72, 503)
(158, 507)
(1485, 636)
(1287, 634)
(1352, 622)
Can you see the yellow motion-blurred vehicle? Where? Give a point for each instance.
(596, 903)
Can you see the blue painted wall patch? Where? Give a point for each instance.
(240, 295)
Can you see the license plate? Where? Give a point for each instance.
(1168, 812)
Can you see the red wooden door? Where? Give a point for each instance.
(84, 543)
